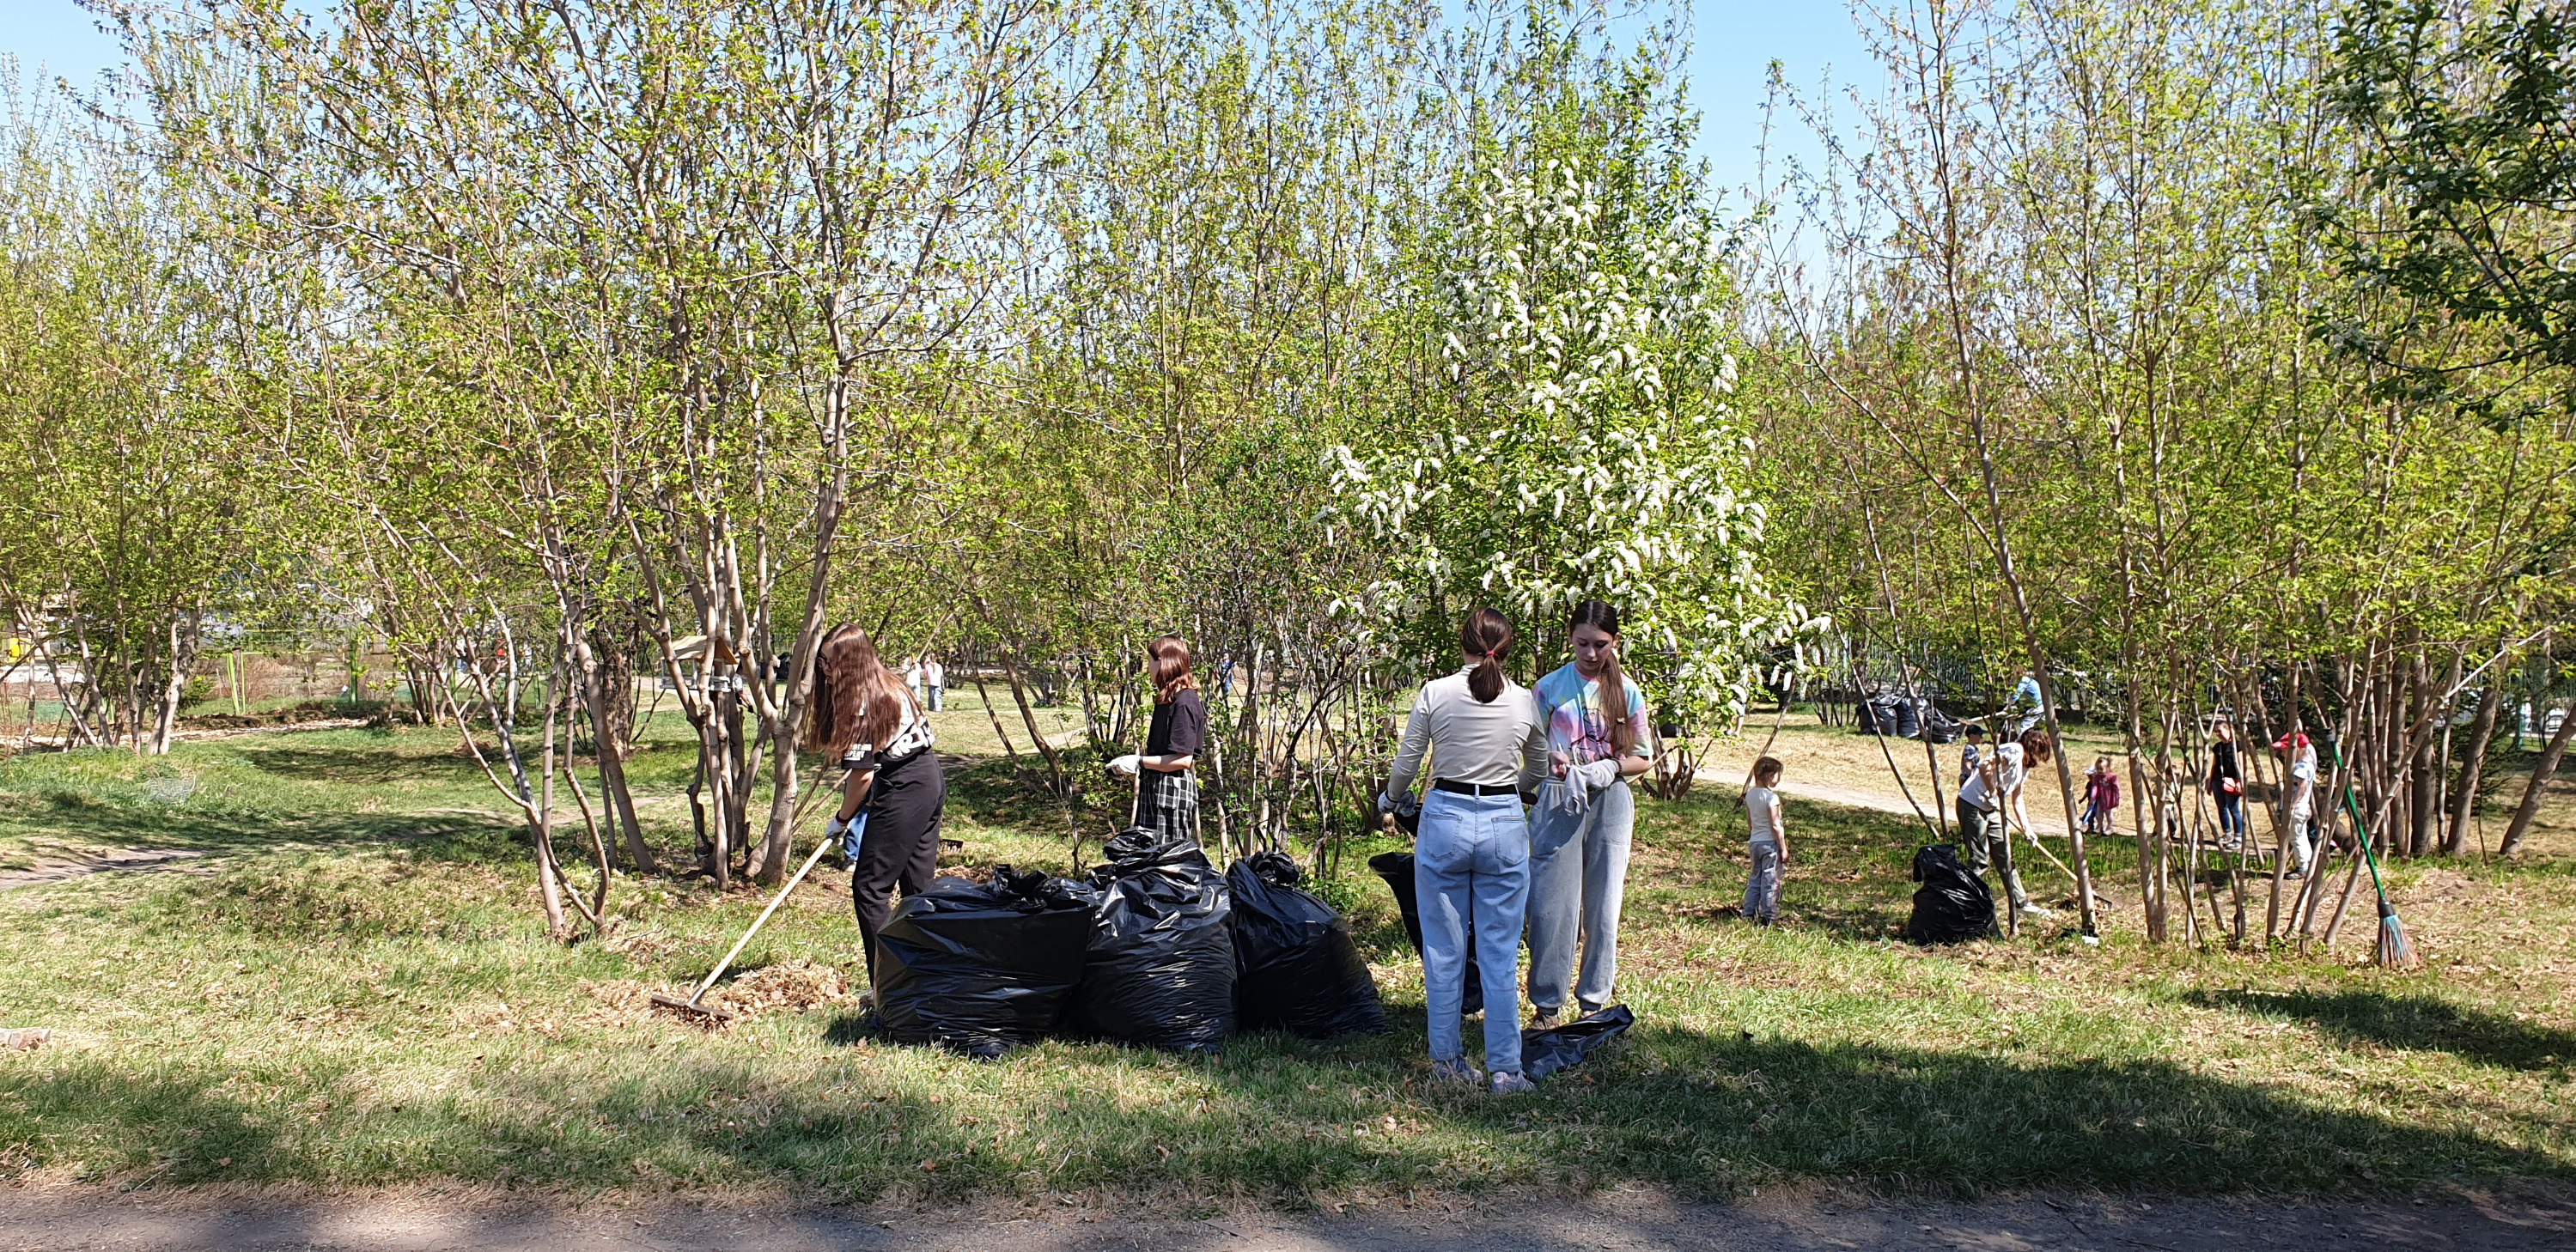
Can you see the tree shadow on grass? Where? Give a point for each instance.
(359, 763)
(2412, 1022)
(1276, 1118)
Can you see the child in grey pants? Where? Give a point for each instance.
(1768, 843)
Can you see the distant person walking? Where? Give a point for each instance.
(1167, 784)
(2227, 785)
(864, 719)
(934, 680)
(1768, 843)
(1471, 855)
(1580, 832)
(2303, 799)
(912, 678)
(1988, 799)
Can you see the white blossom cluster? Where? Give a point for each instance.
(1598, 456)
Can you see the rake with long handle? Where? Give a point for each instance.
(690, 1007)
(2392, 950)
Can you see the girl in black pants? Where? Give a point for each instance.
(863, 717)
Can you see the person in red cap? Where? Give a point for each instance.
(2303, 796)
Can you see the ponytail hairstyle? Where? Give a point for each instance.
(856, 698)
(1614, 682)
(1486, 636)
(1167, 666)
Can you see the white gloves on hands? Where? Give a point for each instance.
(1126, 766)
(1574, 792)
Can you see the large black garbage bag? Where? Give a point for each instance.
(979, 967)
(1952, 905)
(1160, 967)
(1295, 965)
(1543, 1052)
(1397, 869)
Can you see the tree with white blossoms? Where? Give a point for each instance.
(1583, 445)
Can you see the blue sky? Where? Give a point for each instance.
(1733, 44)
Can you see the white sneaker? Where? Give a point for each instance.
(1456, 1070)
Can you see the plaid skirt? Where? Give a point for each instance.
(1168, 804)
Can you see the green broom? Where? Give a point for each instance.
(2392, 951)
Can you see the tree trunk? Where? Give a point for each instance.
(2473, 766)
(2542, 772)
(184, 629)
(1029, 718)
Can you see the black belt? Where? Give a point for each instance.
(1475, 789)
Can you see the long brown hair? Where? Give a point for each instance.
(1614, 681)
(856, 698)
(1487, 636)
(2036, 744)
(1167, 666)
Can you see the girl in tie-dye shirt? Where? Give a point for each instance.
(1580, 831)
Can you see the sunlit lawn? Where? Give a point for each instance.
(351, 986)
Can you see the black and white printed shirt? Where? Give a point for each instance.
(911, 738)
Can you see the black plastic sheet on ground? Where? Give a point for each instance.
(1544, 1052)
(1296, 968)
(979, 968)
(1397, 869)
(1952, 905)
(1160, 966)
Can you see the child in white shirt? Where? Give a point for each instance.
(1768, 842)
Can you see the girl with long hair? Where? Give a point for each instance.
(865, 719)
(2227, 784)
(1167, 785)
(1990, 799)
(1597, 739)
(1471, 852)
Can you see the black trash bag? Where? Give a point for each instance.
(979, 968)
(1160, 964)
(1296, 968)
(1397, 869)
(1909, 718)
(1939, 727)
(1952, 905)
(1543, 1052)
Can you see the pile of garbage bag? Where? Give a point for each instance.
(982, 967)
(1158, 949)
(1160, 964)
(1296, 967)
(1953, 905)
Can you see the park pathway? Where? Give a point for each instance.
(45, 1219)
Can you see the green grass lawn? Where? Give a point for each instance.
(351, 986)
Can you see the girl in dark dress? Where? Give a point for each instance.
(1167, 786)
(865, 719)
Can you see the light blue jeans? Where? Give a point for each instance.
(1762, 882)
(1470, 879)
(1578, 875)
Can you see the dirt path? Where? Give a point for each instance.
(1633, 1218)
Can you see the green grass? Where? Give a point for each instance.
(351, 987)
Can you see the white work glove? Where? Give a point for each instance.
(1126, 766)
(1599, 774)
(834, 830)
